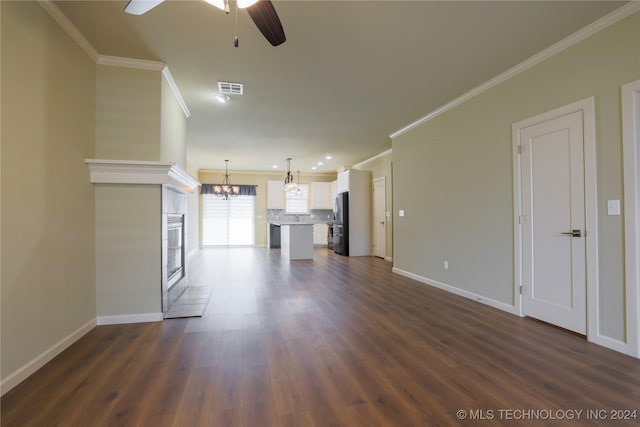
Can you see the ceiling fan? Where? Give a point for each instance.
(262, 13)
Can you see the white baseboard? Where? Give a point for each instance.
(130, 318)
(612, 344)
(30, 368)
(461, 292)
(604, 341)
(388, 258)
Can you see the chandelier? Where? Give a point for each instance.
(226, 190)
(289, 184)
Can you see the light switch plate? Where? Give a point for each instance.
(401, 212)
(613, 207)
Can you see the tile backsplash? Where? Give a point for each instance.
(315, 215)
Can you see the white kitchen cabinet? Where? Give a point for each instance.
(320, 234)
(296, 241)
(275, 195)
(321, 195)
(342, 183)
(334, 191)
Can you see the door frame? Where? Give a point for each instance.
(373, 210)
(587, 108)
(631, 150)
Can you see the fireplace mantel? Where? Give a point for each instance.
(140, 172)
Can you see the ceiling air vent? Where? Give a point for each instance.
(231, 88)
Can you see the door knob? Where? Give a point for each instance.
(574, 233)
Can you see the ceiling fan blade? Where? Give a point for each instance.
(138, 7)
(266, 18)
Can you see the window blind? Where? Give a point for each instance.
(228, 222)
(297, 204)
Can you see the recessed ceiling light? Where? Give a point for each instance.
(222, 98)
(320, 163)
(328, 158)
(275, 166)
(313, 167)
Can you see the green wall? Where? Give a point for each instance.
(453, 174)
(48, 118)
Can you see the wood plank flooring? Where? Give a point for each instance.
(331, 342)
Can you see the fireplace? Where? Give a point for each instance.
(174, 232)
(175, 249)
(140, 283)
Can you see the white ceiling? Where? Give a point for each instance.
(349, 74)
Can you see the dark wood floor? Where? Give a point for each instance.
(333, 341)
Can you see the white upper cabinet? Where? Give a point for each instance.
(334, 191)
(343, 182)
(275, 195)
(321, 195)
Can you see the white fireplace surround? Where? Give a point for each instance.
(174, 184)
(140, 172)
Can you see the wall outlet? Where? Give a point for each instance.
(401, 212)
(613, 207)
(445, 264)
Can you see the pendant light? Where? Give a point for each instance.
(298, 190)
(289, 184)
(226, 190)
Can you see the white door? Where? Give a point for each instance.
(553, 233)
(379, 224)
(631, 168)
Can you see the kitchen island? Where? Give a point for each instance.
(296, 240)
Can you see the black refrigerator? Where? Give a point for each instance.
(341, 224)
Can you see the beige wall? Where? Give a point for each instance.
(128, 249)
(48, 118)
(453, 174)
(173, 132)
(260, 179)
(138, 118)
(381, 167)
(128, 114)
(193, 215)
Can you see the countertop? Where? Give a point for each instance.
(279, 223)
(290, 222)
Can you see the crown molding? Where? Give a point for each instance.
(142, 64)
(69, 28)
(138, 64)
(580, 35)
(377, 156)
(273, 172)
(140, 172)
(176, 92)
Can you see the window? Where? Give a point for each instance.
(297, 204)
(228, 222)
